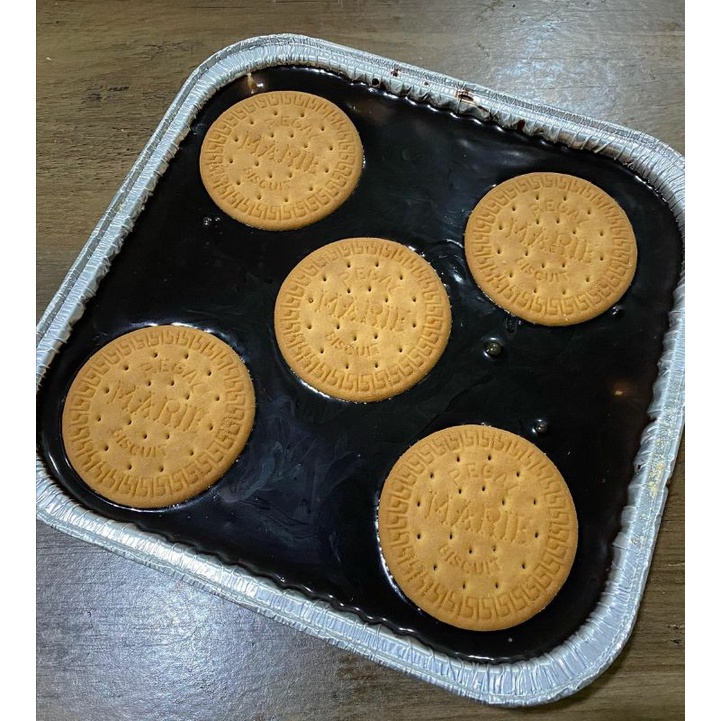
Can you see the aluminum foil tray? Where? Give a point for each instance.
(411, 122)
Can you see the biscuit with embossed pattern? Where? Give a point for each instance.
(157, 415)
(551, 248)
(362, 319)
(477, 527)
(281, 160)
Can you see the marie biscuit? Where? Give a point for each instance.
(477, 527)
(550, 248)
(157, 415)
(281, 160)
(362, 319)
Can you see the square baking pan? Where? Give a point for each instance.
(289, 531)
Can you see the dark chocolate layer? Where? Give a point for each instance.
(299, 504)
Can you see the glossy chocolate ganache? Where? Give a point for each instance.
(299, 504)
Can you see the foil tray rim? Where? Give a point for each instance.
(593, 647)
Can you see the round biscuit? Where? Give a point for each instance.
(157, 415)
(281, 160)
(362, 319)
(550, 248)
(477, 527)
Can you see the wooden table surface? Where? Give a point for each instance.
(117, 640)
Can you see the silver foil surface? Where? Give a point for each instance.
(588, 652)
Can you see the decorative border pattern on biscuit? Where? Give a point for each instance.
(362, 319)
(157, 415)
(550, 248)
(281, 160)
(477, 527)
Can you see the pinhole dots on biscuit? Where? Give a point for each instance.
(363, 345)
(281, 160)
(492, 556)
(550, 248)
(157, 444)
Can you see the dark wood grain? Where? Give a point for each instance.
(117, 640)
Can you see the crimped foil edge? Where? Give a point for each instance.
(588, 652)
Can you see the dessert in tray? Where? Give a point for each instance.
(391, 357)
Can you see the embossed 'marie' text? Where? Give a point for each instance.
(485, 521)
